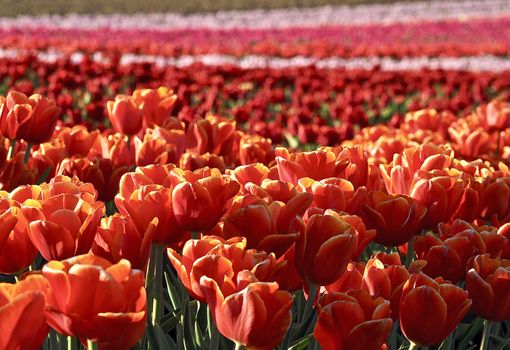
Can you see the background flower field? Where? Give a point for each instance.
(259, 175)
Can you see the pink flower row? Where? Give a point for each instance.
(453, 38)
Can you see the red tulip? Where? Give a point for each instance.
(32, 119)
(101, 302)
(16, 250)
(353, 320)
(22, 306)
(118, 238)
(488, 284)
(126, 117)
(430, 310)
(257, 316)
(396, 218)
(327, 241)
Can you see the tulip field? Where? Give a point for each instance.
(332, 177)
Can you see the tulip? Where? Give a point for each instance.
(101, 302)
(22, 306)
(16, 250)
(431, 309)
(488, 284)
(328, 241)
(272, 228)
(156, 104)
(77, 140)
(200, 198)
(143, 197)
(332, 193)
(118, 238)
(124, 115)
(213, 135)
(32, 119)
(396, 218)
(257, 316)
(353, 320)
(63, 225)
(222, 261)
(448, 258)
(255, 149)
(316, 165)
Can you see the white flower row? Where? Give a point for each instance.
(399, 12)
(480, 63)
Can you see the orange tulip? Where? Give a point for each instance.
(253, 173)
(446, 197)
(396, 218)
(488, 284)
(328, 241)
(143, 197)
(504, 231)
(63, 225)
(199, 199)
(77, 140)
(256, 317)
(16, 173)
(154, 151)
(331, 193)
(124, 115)
(353, 320)
(85, 169)
(16, 250)
(213, 134)
(118, 238)
(495, 116)
(255, 149)
(430, 310)
(221, 261)
(272, 227)
(32, 119)
(156, 104)
(22, 305)
(363, 236)
(317, 165)
(91, 298)
(194, 161)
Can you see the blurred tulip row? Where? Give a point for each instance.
(319, 106)
(466, 37)
(160, 232)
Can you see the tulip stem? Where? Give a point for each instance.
(484, 345)
(12, 147)
(413, 346)
(312, 293)
(27, 153)
(157, 259)
(71, 345)
(91, 345)
(239, 346)
(410, 252)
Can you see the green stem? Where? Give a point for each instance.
(195, 235)
(92, 345)
(27, 153)
(239, 346)
(213, 332)
(53, 339)
(413, 346)
(157, 306)
(71, 344)
(312, 293)
(410, 252)
(484, 345)
(12, 148)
